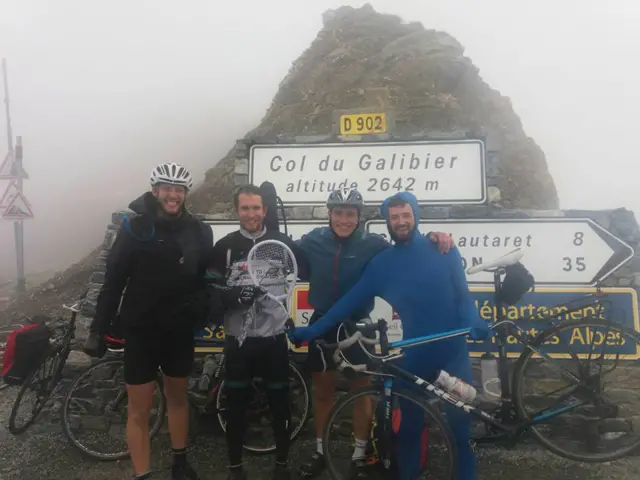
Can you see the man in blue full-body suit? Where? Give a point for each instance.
(430, 293)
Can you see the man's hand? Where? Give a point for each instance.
(248, 294)
(480, 333)
(241, 295)
(301, 335)
(95, 346)
(444, 241)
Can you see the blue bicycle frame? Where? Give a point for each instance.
(386, 365)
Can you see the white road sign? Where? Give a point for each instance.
(436, 172)
(558, 251)
(295, 228)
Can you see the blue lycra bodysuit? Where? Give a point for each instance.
(431, 295)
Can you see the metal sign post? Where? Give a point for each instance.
(17, 206)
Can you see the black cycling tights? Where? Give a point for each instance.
(238, 399)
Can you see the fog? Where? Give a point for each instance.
(102, 91)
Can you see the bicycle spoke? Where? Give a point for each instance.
(95, 411)
(33, 395)
(259, 435)
(417, 427)
(598, 416)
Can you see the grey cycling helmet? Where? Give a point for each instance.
(346, 197)
(171, 174)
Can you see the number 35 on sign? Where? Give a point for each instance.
(558, 250)
(363, 123)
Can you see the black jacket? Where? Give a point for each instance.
(162, 264)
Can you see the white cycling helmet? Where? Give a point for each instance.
(345, 196)
(171, 174)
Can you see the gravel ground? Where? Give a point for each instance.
(43, 453)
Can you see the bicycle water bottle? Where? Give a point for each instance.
(491, 387)
(208, 369)
(455, 386)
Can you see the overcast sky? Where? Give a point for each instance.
(102, 91)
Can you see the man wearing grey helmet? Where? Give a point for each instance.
(337, 255)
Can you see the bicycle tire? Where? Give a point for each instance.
(15, 430)
(66, 420)
(430, 412)
(296, 431)
(518, 384)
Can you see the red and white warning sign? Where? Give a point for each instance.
(18, 208)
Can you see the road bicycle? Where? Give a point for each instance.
(44, 379)
(95, 407)
(583, 409)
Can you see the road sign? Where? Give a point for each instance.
(7, 196)
(18, 209)
(437, 172)
(363, 123)
(9, 170)
(295, 228)
(6, 167)
(558, 251)
(623, 308)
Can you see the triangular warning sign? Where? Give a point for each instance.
(8, 195)
(10, 170)
(18, 209)
(5, 168)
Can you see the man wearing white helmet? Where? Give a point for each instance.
(337, 256)
(160, 255)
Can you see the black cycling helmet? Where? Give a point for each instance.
(346, 197)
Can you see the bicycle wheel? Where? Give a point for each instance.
(41, 381)
(440, 464)
(259, 420)
(94, 413)
(588, 416)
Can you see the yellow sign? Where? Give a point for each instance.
(363, 123)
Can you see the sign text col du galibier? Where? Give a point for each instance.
(436, 172)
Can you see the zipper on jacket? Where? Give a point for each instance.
(335, 274)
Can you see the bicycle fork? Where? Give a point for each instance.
(390, 424)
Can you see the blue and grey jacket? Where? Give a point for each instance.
(336, 265)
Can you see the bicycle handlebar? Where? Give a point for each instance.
(359, 335)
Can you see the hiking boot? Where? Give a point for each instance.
(183, 472)
(313, 467)
(281, 472)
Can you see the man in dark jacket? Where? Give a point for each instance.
(265, 351)
(160, 256)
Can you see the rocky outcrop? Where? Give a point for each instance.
(362, 58)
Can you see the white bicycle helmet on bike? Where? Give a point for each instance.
(171, 174)
(346, 197)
